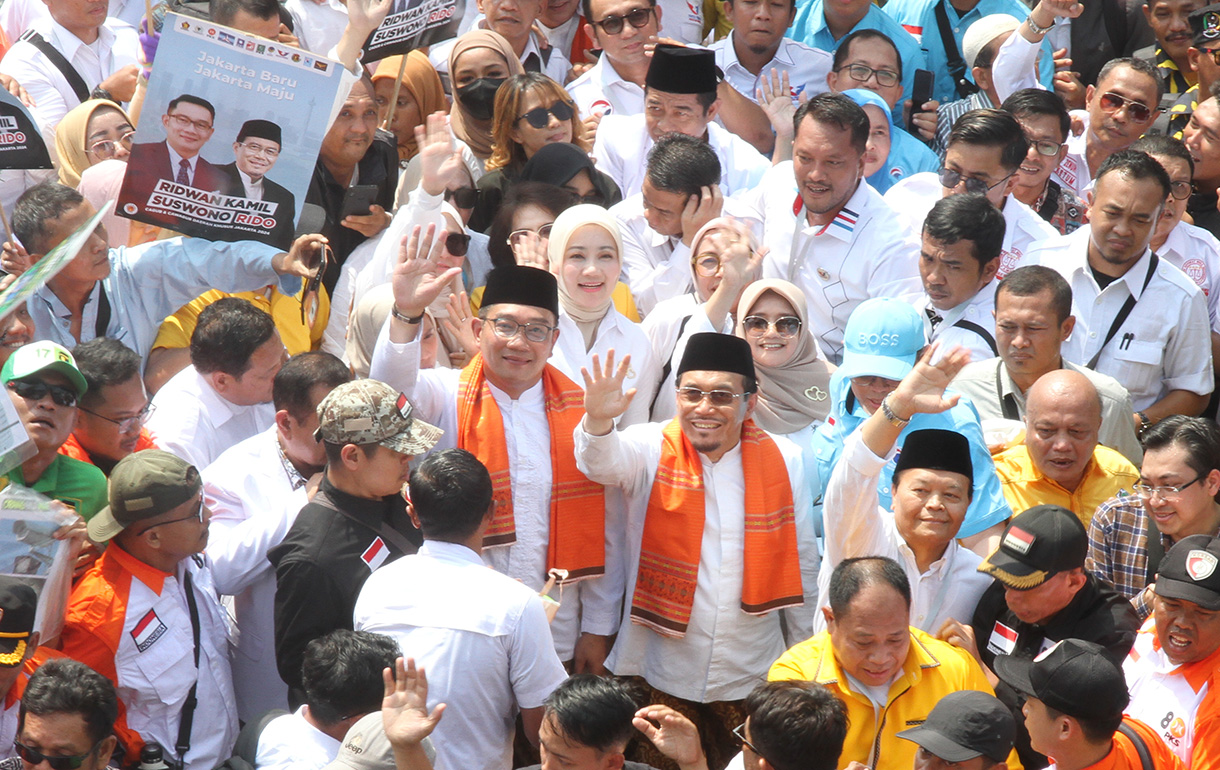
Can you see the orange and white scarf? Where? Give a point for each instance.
(673, 534)
(578, 509)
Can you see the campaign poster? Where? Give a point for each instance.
(21, 146)
(228, 135)
(413, 24)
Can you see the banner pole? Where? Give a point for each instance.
(389, 116)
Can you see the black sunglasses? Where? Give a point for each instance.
(612, 25)
(463, 197)
(539, 117)
(35, 757)
(37, 390)
(457, 244)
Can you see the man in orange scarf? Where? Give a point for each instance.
(718, 536)
(517, 414)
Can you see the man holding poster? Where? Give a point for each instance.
(255, 152)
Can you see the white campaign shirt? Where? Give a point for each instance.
(318, 24)
(1165, 343)
(657, 267)
(194, 422)
(1196, 252)
(664, 327)
(1161, 696)
(964, 325)
(483, 639)
(725, 651)
(682, 20)
(623, 142)
(625, 338)
(602, 91)
(254, 500)
(16, 16)
(527, 439)
(806, 67)
(289, 742)
(867, 251)
(855, 525)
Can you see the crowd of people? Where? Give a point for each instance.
(752, 384)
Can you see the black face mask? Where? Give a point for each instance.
(479, 96)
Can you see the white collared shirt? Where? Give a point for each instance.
(970, 324)
(483, 638)
(254, 500)
(665, 326)
(1196, 252)
(725, 651)
(289, 742)
(623, 142)
(806, 67)
(602, 91)
(867, 251)
(625, 338)
(16, 16)
(196, 423)
(252, 186)
(1165, 343)
(175, 164)
(855, 525)
(318, 24)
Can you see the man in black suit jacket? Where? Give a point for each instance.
(188, 123)
(256, 150)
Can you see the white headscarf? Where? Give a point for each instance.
(562, 230)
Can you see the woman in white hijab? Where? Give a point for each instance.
(585, 255)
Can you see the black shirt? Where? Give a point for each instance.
(1097, 613)
(333, 546)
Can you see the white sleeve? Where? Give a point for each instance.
(798, 621)
(534, 668)
(397, 365)
(1015, 67)
(617, 459)
(851, 516)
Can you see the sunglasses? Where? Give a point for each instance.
(463, 197)
(950, 178)
(457, 244)
(786, 327)
(539, 117)
(37, 390)
(1140, 113)
(612, 25)
(718, 398)
(35, 757)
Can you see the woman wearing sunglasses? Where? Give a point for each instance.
(584, 255)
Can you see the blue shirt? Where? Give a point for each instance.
(918, 17)
(810, 28)
(987, 505)
(908, 156)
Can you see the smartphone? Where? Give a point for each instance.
(358, 200)
(921, 91)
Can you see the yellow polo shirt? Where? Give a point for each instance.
(1025, 486)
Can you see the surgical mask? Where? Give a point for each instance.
(479, 96)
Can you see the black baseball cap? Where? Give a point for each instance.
(1074, 677)
(1205, 27)
(18, 607)
(1189, 572)
(1038, 543)
(965, 725)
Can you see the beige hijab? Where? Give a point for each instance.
(796, 394)
(566, 224)
(477, 133)
(71, 135)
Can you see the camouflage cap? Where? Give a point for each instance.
(371, 412)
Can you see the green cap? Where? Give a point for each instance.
(28, 360)
(144, 485)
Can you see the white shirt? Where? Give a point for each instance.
(1196, 252)
(117, 45)
(1073, 171)
(318, 24)
(855, 525)
(806, 67)
(867, 251)
(682, 20)
(725, 651)
(483, 638)
(562, 36)
(252, 186)
(657, 267)
(289, 742)
(16, 16)
(625, 338)
(254, 500)
(602, 91)
(623, 142)
(1164, 345)
(175, 163)
(664, 327)
(1161, 697)
(527, 439)
(961, 325)
(194, 422)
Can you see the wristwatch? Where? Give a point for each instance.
(893, 419)
(1033, 25)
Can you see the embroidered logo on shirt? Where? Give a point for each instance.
(148, 630)
(1200, 564)
(1003, 640)
(1018, 540)
(600, 107)
(376, 554)
(1197, 272)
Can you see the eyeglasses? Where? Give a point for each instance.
(719, 398)
(37, 390)
(860, 73)
(197, 515)
(517, 236)
(463, 197)
(612, 25)
(539, 117)
(126, 424)
(36, 757)
(1139, 112)
(740, 733)
(756, 326)
(706, 265)
(950, 178)
(1180, 190)
(1146, 492)
(107, 148)
(457, 244)
(1214, 53)
(506, 328)
(260, 149)
(183, 121)
(1045, 146)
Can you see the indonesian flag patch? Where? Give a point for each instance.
(148, 630)
(376, 554)
(1018, 540)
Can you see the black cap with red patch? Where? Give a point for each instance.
(1190, 572)
(1038, 543)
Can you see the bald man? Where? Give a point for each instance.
(1061, 462)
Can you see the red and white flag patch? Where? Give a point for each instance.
(1003, 640)
(376, 554)
(1018, 540)
(148, 630)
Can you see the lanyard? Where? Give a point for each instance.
(1123, 312)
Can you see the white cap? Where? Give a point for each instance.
(983, 32)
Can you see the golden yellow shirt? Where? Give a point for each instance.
(1025, 486)
(176, 330)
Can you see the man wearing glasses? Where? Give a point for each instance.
(67, 710)
(188, 124)
(45, 385)
(620, 28)
(111, 415)
(147, 617)
(255, 152)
